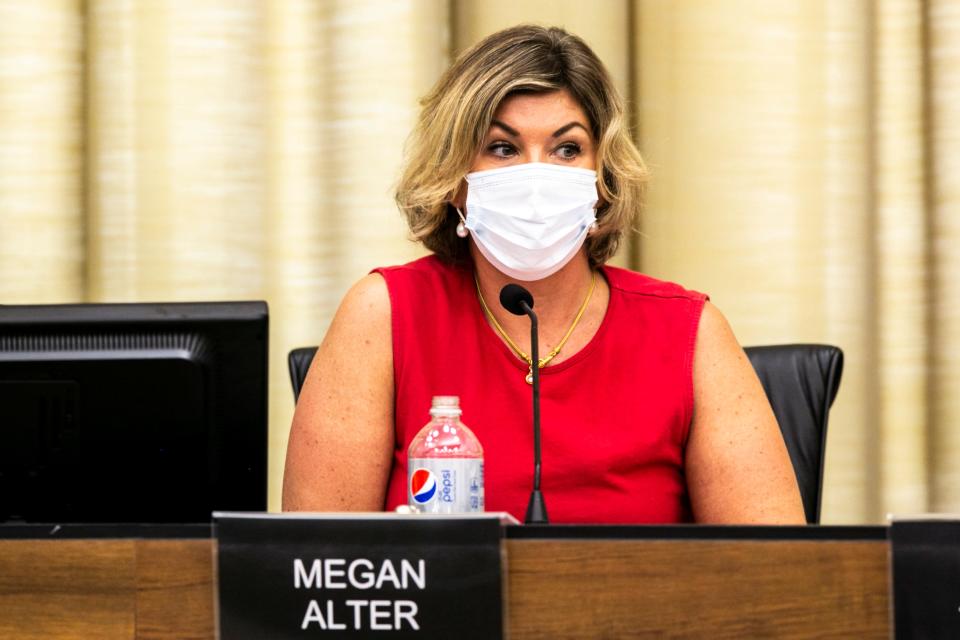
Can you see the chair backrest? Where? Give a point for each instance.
(801, 381)
(299, 362)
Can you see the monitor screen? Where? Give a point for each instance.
(132, 412)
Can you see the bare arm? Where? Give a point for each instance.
(341, 440)
(738, 469)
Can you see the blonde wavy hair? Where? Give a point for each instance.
(457, 113)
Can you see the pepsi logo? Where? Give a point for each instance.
(423, 485)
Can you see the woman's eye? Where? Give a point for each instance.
(568, 150)
(501, 149)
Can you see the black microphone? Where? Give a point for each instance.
(518, 301)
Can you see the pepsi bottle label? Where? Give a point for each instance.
(445, 485)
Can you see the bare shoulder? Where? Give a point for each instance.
(343, 424)
(716, 342)
(720, 364)
(368, 297)
(360, 329)
(738, 469)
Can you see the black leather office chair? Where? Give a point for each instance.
(801, 381)
(299, 362)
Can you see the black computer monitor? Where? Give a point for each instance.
(132, 412)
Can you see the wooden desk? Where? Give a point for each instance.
(602, 586)
(698, 589)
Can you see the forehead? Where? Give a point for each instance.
(549, 110)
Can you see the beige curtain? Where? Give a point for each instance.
(805, 160)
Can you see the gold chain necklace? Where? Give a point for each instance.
(513, 345)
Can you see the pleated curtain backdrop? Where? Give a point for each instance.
(805, 161)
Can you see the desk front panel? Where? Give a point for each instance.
(557, 588)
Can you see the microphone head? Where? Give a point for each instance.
(511, 297)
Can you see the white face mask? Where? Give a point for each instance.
(529, 220)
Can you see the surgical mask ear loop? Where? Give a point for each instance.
(462, 225)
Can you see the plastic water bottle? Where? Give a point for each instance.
(445, 463)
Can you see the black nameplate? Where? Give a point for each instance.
(926, 578)
(384, 575)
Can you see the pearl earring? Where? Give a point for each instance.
(592, 229)
(462, 225)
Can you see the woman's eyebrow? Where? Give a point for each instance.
(513, 132)
(562, 130)
(556, 134)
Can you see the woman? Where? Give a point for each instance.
(521, 169)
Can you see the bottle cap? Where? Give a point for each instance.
(446, 406)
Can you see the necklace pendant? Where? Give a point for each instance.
(529, 377)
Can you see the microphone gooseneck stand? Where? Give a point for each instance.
(519, 301)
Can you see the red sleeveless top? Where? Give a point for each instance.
(614, 416)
